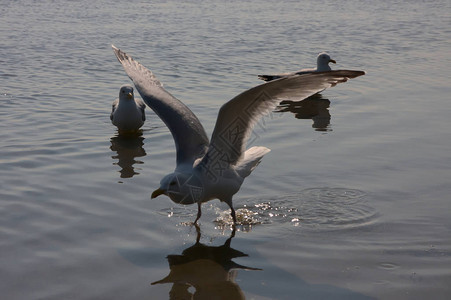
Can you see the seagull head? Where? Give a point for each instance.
(323, 61)
(183, 188)
(126, 92)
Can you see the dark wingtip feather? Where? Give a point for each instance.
(120, 55)
(267, 77)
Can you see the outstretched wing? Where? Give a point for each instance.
(237, 117)
(277, 76)
(273, 76)
(190, 139)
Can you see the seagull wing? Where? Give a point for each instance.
(190, 139)
(237, 117)
(142, 106)
(274, 76)
(113, 108)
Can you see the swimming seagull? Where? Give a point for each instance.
(127, 113)
(322, 65)
(215, 169)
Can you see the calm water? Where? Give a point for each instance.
(353, 202)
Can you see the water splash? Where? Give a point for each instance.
(314, 208)
(245, 219)
(321, 208)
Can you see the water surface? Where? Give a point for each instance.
(351, 203)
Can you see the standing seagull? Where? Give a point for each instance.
(127, 113)
(216, 169)
(322, 65)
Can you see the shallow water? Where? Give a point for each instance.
(351, 203)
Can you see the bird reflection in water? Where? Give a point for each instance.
(209, 269)
(128, 147)
(315, 107)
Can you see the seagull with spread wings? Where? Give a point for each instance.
(215, 169)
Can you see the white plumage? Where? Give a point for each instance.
(127, 113)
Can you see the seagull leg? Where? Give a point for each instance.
(233, 215)
(199, 212)
(232, 211)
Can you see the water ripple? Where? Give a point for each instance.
(315, 208)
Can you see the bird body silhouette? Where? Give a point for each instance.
(322, 65)
(127, 113)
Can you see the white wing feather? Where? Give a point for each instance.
(190, 139)
(237, 117)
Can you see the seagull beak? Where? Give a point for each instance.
(129, 96)
(157, 193)
(332, 61)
